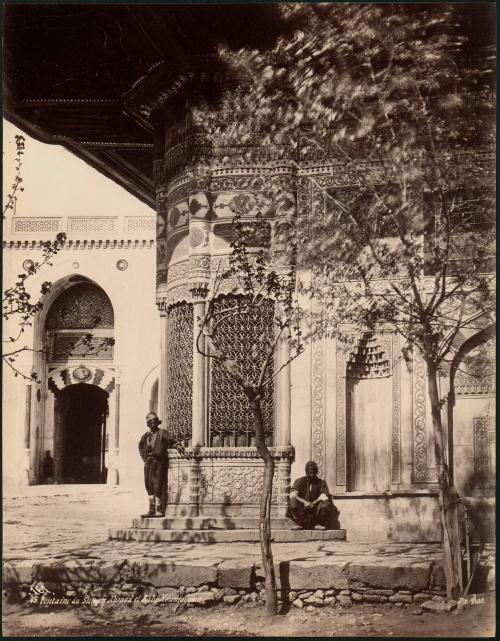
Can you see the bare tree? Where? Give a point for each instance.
(16, 186)
(258, 282)
(18, 308)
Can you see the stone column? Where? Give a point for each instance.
(162, 379)
(283, 396)
(198, 436)
(27, 417)
(116, 466)
(27, 435)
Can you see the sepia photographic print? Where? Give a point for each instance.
(249, 319)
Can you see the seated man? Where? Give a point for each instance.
(310, 505)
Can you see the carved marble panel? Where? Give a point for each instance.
(26, 225)
(227, 476)
(229, 484)
(341, 416)
(318, 427)
(396, 411)
(422, 473)
(178, 490)
(484, 451)
(476, 373)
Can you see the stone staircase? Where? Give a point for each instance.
(217, 529)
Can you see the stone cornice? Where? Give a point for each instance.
(193, 453)
(83, 244)
(258, 159)
(81, 231)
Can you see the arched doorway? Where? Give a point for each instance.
(80, 409)
(80, 437)
(473, 419)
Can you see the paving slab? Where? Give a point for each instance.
(235, 573)
(392, 573)
(64, 535)
(199, 535)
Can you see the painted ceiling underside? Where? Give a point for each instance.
(67, 68)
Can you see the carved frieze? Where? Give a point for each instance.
(220, 453)
(37, 225)
(318, 406)
(422, 473)
(231, 475)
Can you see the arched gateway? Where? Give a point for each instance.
(79, 410)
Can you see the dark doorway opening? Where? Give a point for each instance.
(82, 410)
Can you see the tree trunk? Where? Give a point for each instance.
(265, 505)
(448, 504)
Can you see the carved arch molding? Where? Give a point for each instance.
(61, 377)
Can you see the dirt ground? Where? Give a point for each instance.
(248, 620)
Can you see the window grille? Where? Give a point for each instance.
(180, 372)
(82, 306)
(230, 418)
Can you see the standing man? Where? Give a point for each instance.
(310, 505)
(153, 448)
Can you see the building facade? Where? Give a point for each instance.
(362, 414)
(88, 410)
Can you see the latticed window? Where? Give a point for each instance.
(239, 337)
(79, 324)
(180, 371)
(82, 306)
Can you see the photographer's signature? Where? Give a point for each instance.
(473, 599)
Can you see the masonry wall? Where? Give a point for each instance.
(119, 256)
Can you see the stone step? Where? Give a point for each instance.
(208, 523)
(222, 536)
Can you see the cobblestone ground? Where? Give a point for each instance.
(63, 522)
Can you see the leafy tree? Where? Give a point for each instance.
(401, 96)
(259, 275)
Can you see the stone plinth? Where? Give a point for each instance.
(223, 536)
(225, 482)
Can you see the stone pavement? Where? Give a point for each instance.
(59, 534)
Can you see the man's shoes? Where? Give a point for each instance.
(149, 515)
(159, 515)
(297, 527)
(319, 527)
